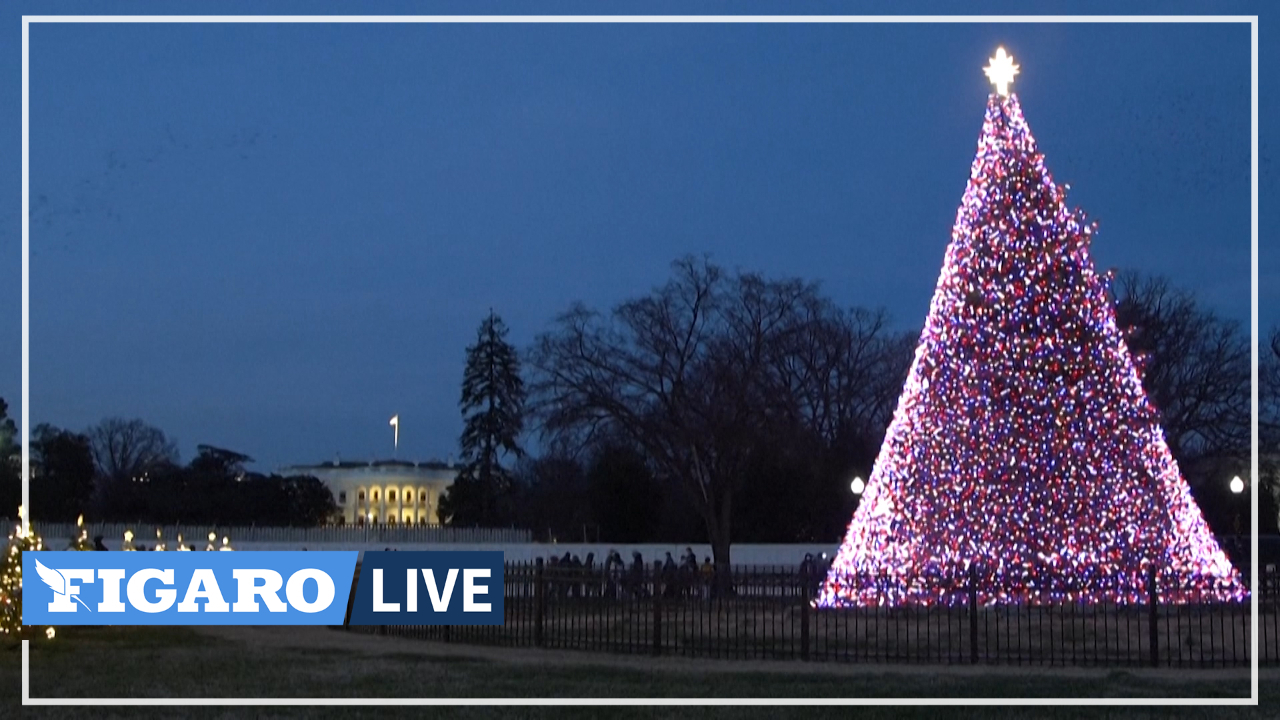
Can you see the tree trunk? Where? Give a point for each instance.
(718, 532)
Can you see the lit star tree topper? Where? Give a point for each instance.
(1024, 456)
(1000, 71)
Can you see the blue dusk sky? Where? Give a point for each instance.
(273, 237)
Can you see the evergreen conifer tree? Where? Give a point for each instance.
(492, 405)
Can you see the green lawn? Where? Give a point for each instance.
(181, 662)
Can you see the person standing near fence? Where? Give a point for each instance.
(590, 579)
(688, 558)
(635, 576)
(614, 569)
(575, 577)
(669, 576)
(688, 573)
(808, 574)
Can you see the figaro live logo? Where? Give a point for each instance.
(250, 588)
(452, 587)
(262, 588)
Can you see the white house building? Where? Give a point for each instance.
(391, 492)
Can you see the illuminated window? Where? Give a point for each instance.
(360, 497)
(391, 519)
(375, 496)
(423, 497)
(391, 495)
(342, 498)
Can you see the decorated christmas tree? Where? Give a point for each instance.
(11, 580)
(81, 541)
(1024, 457)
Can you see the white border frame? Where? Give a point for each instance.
(1252, 20)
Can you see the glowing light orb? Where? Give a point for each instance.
(857, 486)
(1237, 485)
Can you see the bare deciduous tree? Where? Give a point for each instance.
(706, 368)
(124, 449)
(1269, 416)
(1197, 370)
(1269, 393)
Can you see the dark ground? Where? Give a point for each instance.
(318, 662)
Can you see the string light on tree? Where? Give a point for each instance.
(20, 541)
(1023, 450)
(81, 540)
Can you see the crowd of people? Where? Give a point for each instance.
(618, 579)
(813, 570)
(615, 578)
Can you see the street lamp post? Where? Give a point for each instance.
(1237, 487)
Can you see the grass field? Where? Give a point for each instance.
(317, 662)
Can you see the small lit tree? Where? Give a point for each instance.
(81, 541)
(11, 580)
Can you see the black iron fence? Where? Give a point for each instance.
(766, 613)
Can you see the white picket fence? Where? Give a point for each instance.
(57, 535)
(516, 545)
